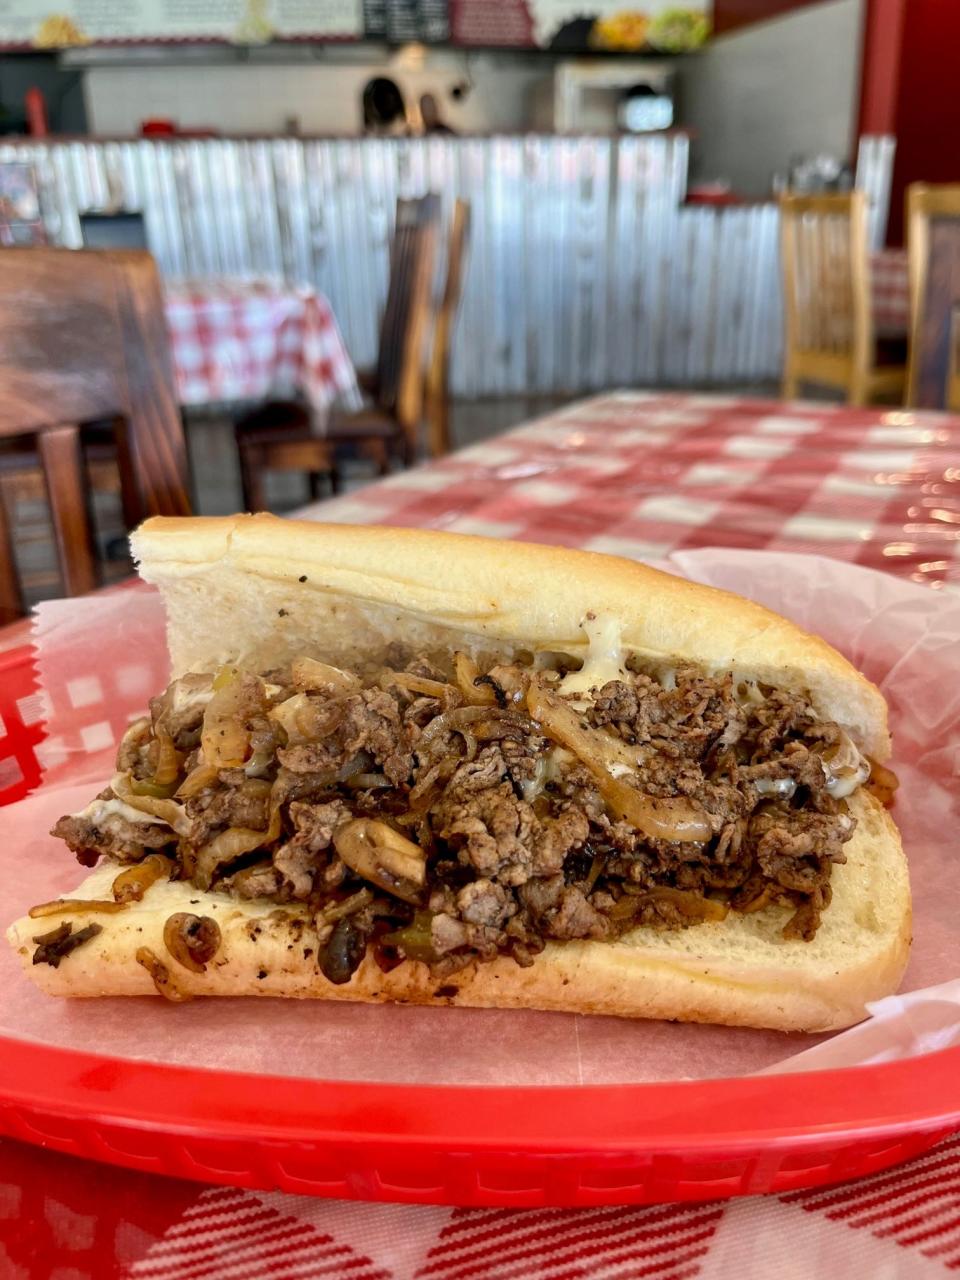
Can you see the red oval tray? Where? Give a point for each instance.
(581, 1146)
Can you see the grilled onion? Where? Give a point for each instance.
(160, 974)
(674, 819)
(305, 719)
(883, 783)
(197, 780)
(79, 905)
(225, 737)
(466, 674)
(320, 677)
(173, 814)
(132, 884)
(465, 720)
(230, 844)
(417, 684)
(688, 904)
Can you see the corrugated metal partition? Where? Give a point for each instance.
(584, 271)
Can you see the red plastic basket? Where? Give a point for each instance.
(591, 1145)
(21, 724)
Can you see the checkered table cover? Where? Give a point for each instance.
(890, 285)
(642, 475)
(248, 340)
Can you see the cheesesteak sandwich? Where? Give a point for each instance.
(396, 765)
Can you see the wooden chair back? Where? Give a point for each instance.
(933, 228)
(406, 314)
(83, 338)
(953, 384)
(438, 374)
(826, 281)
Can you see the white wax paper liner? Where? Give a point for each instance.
(101, 659)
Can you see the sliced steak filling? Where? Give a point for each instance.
(426, 813)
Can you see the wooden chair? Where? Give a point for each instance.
(953, 383)
(82, 339)
(829, 335)
(933, 229)
(282, 435)
(438, 375)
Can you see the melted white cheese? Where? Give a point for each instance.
(841, 785)
(748, 694)
(548, 770)
(98, 810)
(190, 691)
(604, 661)
(783, 787)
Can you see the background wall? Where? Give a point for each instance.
(729, 14)
(324, 96)
(764, 94)
(910, 88)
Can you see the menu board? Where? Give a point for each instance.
(59, 24)
(401, 20)
(565, 26)
(582, 26)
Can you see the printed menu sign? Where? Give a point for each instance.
(582, 26)
(59, 24)
(570, 26)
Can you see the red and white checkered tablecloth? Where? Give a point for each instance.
(642, 475)
(890, 286)
(238, 340)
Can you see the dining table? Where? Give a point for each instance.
(644, 474)
(238, 340)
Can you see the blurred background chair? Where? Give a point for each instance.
(282, 435)
(438, 375)
(83, 339)
(828, 323)
(933, 229)
(953, 385)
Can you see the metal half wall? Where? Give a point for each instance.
(585, 269)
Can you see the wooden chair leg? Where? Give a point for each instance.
(858, 391)
(438, 417)
(316, 485)
(251, 477)
(11, 597)
(378, 453)
(129, 489)
(790, 389)
(60, 455)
